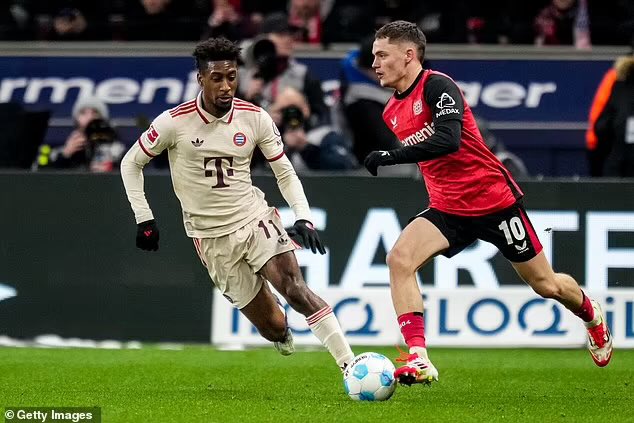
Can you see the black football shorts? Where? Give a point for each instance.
(510, 230)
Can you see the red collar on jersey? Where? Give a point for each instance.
(207, 117)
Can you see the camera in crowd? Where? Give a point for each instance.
(99, 131)
(266, 61)
(292, 118)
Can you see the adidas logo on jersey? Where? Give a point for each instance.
(197, 142)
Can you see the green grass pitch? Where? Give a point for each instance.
(200, 384)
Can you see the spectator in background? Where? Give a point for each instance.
(307, 15)
(597, 153)
(72, 20)
(92, 145)
(16, 21)
(314, 148)
(363, 102)
(281, 85)
(463, 21)
(70, 24)
(596, 149)
(325, 22)
(476, 21)
(257, 9)
(563, 22)
(615, 125)
(237, 19)
(226, 20)
(271, 68)
(553, 24)
(161, 20)
(349, 21)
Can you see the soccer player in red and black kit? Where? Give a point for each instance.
(472, 196)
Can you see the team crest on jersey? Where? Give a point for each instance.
(418, 107)
(197, 142)
(239, 139)
(152, 134)
(275, 130)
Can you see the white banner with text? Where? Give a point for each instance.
(506, 317)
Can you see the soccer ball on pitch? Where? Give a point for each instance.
(370, 377)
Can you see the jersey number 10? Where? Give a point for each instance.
(513, 227)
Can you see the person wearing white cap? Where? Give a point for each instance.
(90, 145)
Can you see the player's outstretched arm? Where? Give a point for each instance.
(446, 140)
(147, 236)
(445, 101)
(158, 137)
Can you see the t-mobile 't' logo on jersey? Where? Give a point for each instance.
(420, 135)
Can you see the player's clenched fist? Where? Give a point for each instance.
(304, 232)
(376, 159)
(147, 235)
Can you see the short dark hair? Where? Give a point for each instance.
(404, 31)
(215, 49)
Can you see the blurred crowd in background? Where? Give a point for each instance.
(542, 22)
(318, 134)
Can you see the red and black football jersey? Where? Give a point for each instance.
(468, 182)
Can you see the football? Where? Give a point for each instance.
(370, 377)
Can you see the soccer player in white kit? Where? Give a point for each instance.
(240, 239)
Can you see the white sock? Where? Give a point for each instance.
(422, 352)
(326, 328)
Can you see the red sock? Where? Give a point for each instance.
(413, 329)
(585, 312)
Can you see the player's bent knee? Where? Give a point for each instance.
(397, 261)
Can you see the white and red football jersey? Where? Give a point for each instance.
(210, 162)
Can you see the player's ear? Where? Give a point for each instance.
(410, 54)
(199, 78)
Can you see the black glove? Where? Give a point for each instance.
(305, 234)
(147, 235)
(378, 158)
